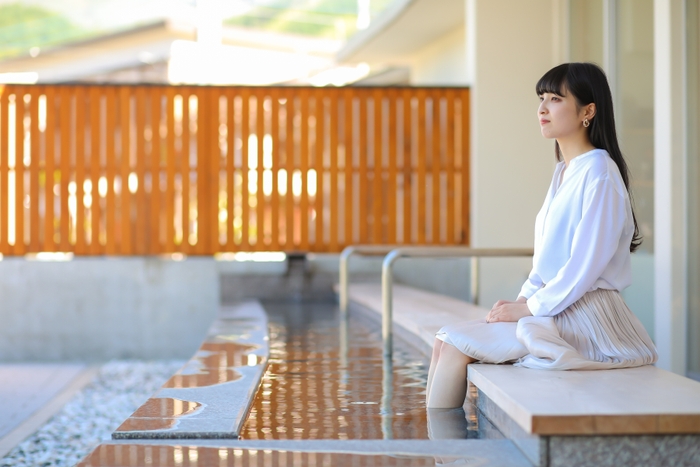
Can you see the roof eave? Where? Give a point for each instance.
(405, 27)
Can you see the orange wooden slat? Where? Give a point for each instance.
(35, 165)
(333, 141)
(213, 169)
(275, 198)
(185, 170)
(407, 148)
(169, 245)
(19, 248)
(377, 213)
(289, 167)
(203, 154)
(110, 171)
(320, 169)
(364, 195)
(422, 155)
(95, 169)
(245, 133)
(48, 243)
(347, 143)
(392, 185)
(142, 225)
(80, 128)
(260, 195)
(230, 154)
(436, 166)
(65, 128)
(304, 168)
(466, 145)
(154, 244)
(4, 169)
(450, 164)
(126, 245)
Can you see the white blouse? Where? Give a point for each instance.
(582, 235)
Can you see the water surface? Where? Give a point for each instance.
(327, 379)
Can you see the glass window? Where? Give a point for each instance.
(693, 28)
(632, 79)
(635, 105)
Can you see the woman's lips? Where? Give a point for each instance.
(543, 121)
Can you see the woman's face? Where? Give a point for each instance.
(559, 116)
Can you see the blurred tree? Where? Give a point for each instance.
(335, 19)
(26, 27)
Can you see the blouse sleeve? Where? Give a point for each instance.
(595, 241)
(531, 285)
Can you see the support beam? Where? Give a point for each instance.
(670, 157)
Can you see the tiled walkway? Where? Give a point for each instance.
(31, 393)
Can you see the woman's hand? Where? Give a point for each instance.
(505, 311)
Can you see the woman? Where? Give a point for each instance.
(569, 313)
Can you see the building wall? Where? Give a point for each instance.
(511, 162)
(93, 309)
(443, 62)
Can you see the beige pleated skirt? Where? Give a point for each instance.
(598, 331)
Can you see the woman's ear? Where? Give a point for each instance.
(590, 111)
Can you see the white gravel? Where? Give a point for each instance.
(93, 414)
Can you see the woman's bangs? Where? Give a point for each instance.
(553, 82)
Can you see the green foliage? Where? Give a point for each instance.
(24, 26)
(317, 18)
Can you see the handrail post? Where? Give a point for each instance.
(344, 280)
(474, 280)
(387, 300)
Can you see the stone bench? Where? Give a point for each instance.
(410, 306)
(209, 397)
(636, 416)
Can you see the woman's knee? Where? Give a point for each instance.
(454, 354)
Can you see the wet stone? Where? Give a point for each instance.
(166, 407)
(211, 393)
(207, 377)
(177, 456)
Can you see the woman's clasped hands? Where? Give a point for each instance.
(507, 311)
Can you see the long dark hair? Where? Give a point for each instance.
(588, 84)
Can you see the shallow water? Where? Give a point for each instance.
(327, 379)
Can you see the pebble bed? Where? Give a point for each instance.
(93, 414)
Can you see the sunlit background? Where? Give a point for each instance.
(254, 42)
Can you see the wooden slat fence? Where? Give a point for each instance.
(149, 170)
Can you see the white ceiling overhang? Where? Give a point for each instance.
(404, 28)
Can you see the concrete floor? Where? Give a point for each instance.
(32, 393)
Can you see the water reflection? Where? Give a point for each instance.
(326, 380)
(213, 364)
(166, 407)
(126, 455)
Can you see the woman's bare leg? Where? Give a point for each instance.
(448, 384)
(437, 345)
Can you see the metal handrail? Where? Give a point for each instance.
(344, 279)
(430, 252)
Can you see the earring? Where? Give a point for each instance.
(586, 123)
